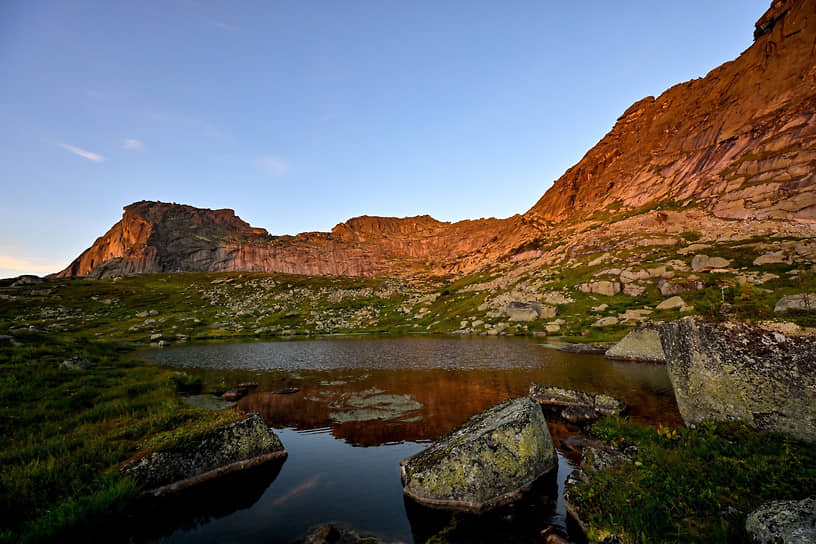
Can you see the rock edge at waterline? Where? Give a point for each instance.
(488, 461)
(229, 448)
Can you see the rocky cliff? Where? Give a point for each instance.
(161, 237)
(739, 143)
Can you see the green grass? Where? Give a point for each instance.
(691, 485)
(65, 432)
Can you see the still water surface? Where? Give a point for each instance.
(362, 405)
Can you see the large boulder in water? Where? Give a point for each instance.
(486, 462)
(783, 522)
(736, 372)
(235, 446)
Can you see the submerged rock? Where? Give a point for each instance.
(592, 349)
(783, 522)
(642, 344)
(228, 448)
(486, 462)
(737, 372)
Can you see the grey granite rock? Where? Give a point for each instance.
(228, 448)
(486, 462)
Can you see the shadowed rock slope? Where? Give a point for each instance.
(739, 143)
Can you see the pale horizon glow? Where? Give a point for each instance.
(300, 116)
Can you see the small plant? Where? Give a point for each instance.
(186, 384)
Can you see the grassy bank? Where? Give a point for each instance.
(691, 485)
(67, 427)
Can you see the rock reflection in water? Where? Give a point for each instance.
(391, 396)
(523, 519)
(203, 503)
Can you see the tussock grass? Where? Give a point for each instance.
(691, 485)
(67, 431)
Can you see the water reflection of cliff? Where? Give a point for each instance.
(373, 391)
(373, 407)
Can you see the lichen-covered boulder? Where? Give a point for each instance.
(242, 444)
(642, 344)
(736, 372)
(783, 522)
(486, 462)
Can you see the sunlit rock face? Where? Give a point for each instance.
(739, 143)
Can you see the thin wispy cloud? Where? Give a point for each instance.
(273, 166)
(91, 156)
(226, 26)
(132, 143)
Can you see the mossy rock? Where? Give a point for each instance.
(488, 461)
(243, 444)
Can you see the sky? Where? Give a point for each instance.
(300, 115)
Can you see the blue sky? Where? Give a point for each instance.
(300, 115)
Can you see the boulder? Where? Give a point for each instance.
(235, 446)
(75, 363)
(642, 344)
(673, 303)
(606, 322)
(330, 534)
(528, 311)
(783, 522)
(576, 406)
(737, 372)
(629, 275)
(633, 290)
(606, 288)
(704, 263)
(486, 462)
(771, 258)
(803, 302)
(668, 288)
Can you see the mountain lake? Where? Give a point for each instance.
(361, 405)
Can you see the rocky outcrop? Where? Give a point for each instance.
(161, 237)
(642, 344)
(243, 444)
(576, 406)
(488, 461)
(739, 142)
(783, 522)
(736, 372)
